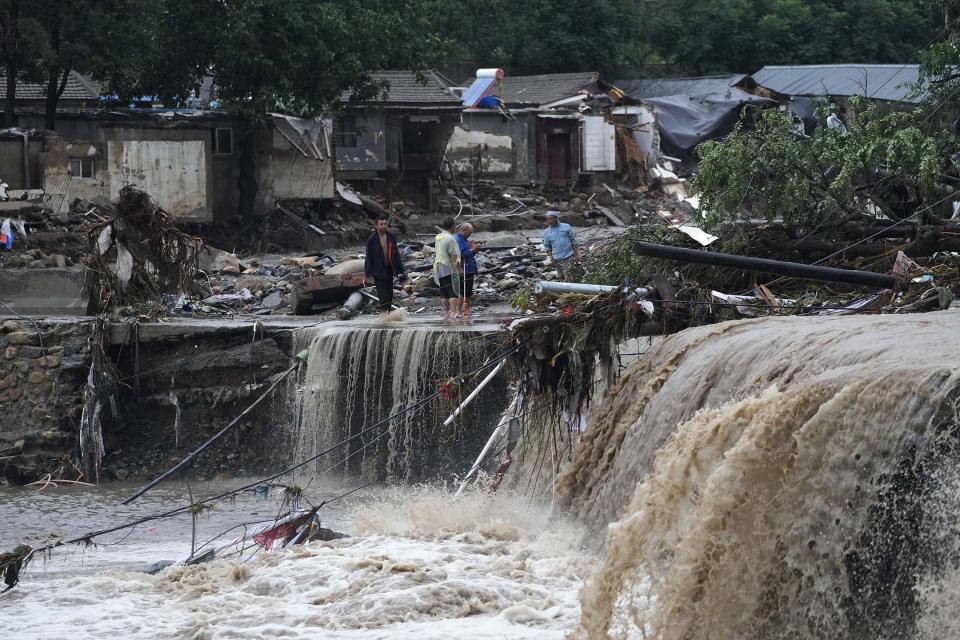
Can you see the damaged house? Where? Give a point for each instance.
(544, 128)
(693, 110)
(805, 87)
(187, 159)
(394, 144)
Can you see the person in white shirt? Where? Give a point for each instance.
(446, 265)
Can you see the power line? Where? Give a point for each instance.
(206, 501)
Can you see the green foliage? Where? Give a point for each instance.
(544, 36)
(717, 36)
(295, 56)
(522, 299)
(768, 170)
(617, 260)
(940, 65)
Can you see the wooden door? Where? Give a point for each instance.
(558, 156)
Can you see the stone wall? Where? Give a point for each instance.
(175, 389)
(42, 376)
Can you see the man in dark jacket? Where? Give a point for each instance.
(383, 263)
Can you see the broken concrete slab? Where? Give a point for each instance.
(348, 267)
(44, 291)
(254, 283)
(505, 241)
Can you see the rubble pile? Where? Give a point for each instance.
(139, 255)
(687, 293)
(44, 238)
(258, 286)
(492, 206)
(508, 262)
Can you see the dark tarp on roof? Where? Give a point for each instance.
(693, 110)
(893, 82)
(686, 121)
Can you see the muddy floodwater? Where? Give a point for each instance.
(419, 564)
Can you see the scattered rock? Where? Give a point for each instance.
(273, 300)
(255, 284)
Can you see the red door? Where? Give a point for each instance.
(558, 156)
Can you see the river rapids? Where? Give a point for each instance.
(781, 478)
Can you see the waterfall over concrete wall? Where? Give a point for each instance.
(778, 478)
(358, 375)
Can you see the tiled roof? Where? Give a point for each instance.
(404, 88)
(660, 87)
(894, 82)
(544, 89)
(79, 87)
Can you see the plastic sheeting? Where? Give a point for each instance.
(686, 121)
(310, 136)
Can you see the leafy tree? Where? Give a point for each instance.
(76, 35)
(769, 170)
(940, 64)
(543, 36)
(718, 36)
(19, 31)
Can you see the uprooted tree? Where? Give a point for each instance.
(893, 163)
(139, 255)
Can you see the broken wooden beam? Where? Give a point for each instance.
(299, 222)
(776, 267)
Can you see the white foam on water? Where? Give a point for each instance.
(422, 565)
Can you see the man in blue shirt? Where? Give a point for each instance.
(560, 243)
(468, 265)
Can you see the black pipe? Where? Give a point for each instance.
(793, 269)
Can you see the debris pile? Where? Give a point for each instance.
(38, 237)
(139, 255)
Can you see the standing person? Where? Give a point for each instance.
(383, 263)
(560, 243)
(469, 268)
(446, 265)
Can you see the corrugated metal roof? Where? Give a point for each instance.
(404, 88)
(79, 87)
(894, 82)
(543, 89)
(660, 87)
